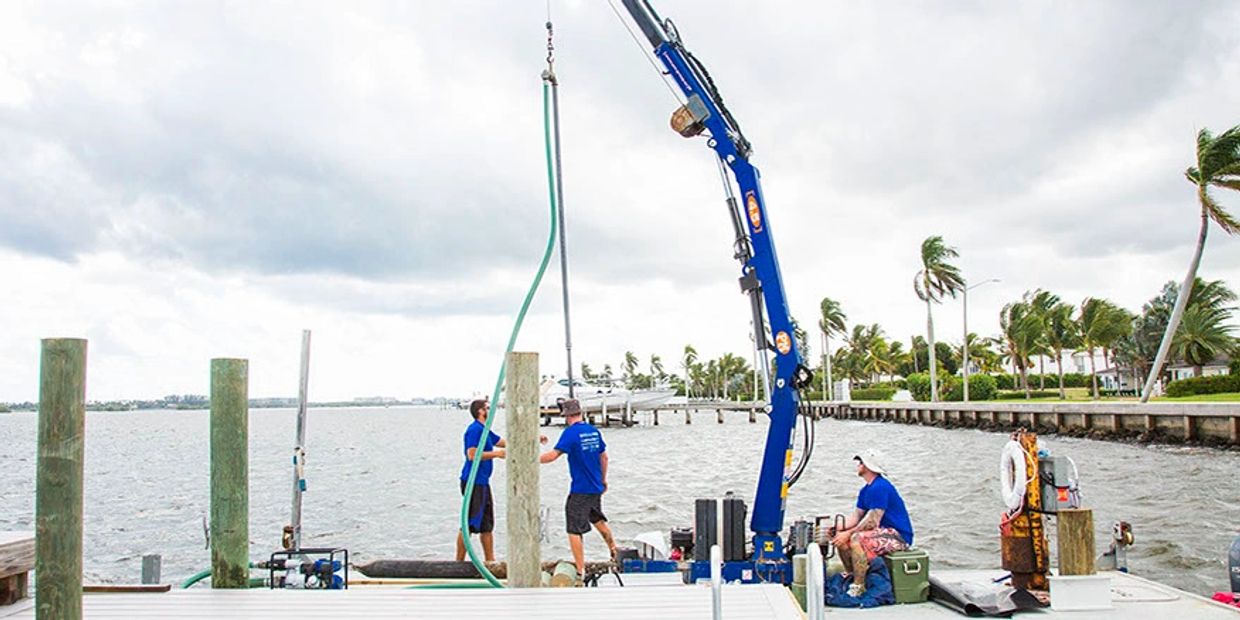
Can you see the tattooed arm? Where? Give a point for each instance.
(871, 520)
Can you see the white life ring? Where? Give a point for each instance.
(1012, 479)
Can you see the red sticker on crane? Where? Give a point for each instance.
(1061, 494)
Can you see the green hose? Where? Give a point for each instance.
(512, 340)
(254, 582)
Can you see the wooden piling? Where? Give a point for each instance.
(230, 486)
(753, 415)
(719, 416)
(1076, 541)
(688, 420)
(58, 490)
(521, 409)
(151, 568)
(656, 417)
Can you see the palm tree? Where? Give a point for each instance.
(1218, 164)
(687, 359)
(1061, 333)
(1022, 328)
(937, 277)
(656, 368)
(630, 369)
(1202, 336)
(1098, 324)
(1042, 302)
(831, 321)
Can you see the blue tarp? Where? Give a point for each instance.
(878, 590)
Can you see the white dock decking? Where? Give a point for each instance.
(687, 603)
(1133, 598)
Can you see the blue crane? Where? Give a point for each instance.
(704, 113)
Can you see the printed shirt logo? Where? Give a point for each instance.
(783, 343)
(755, 214)
(589, 442)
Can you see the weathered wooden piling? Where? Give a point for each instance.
(719, 416)
(688, 418)
(58, 490)
(151, 568)
(1076, 541)
(230, 485)
(521, 406)
(753, 416)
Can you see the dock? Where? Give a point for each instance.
(1133, 598)
(1216, 424)
(682, 602)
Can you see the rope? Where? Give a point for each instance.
(512, 340)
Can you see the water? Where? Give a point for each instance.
(383, 483)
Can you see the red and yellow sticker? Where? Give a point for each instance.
(783, 343)
(755, 214)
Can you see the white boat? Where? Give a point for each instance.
(594, 397)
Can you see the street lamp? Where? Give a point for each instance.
(965, 358)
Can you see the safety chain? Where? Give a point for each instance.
(549, 73)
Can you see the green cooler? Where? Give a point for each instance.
(910, 575)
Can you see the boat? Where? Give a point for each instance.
(596, 397)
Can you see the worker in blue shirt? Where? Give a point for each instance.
(879, 525)
(587, 466)
(481, 501)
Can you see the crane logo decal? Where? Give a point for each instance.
(783, 343)
(755, 214)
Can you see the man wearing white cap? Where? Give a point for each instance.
(879, 525)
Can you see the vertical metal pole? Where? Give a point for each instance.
(521, 409)
(58, 490)
(716, 581)
(230, 485)
(814, 587)
(559, 203)
(966, 344)
(299, 449)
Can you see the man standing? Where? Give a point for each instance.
(587, 466)
(481, 502)
(879, 525)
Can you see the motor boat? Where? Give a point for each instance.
(594, 397)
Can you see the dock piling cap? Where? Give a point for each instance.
(873, 460)
(570, 407)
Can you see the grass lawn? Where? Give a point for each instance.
(1225, 397)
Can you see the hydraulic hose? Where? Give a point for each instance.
(254, 582)
(512, 340)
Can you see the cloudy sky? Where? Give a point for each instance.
(183, 181)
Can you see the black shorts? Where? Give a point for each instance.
(581, 510)
(481, 509)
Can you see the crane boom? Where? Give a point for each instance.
(705, 113)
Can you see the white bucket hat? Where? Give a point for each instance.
(873, 460)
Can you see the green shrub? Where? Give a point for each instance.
(1204, 385)
(1003, 381)
(874, 393)
(919, 385)
(981, 387)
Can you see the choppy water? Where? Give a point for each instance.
(383, 482)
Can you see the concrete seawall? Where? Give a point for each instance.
(1214, 424)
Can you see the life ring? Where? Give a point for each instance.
(1012, 479)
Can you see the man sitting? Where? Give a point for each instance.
(879, 525)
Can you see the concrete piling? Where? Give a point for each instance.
(58, 490)
(230, 486)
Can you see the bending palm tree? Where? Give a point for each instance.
(936, 278)
(831, 322)
(1218, 164)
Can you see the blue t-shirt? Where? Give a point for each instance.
(472, 434)
(881, 494)
(584, 446)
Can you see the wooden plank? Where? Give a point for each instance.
(16, 553)
(123, 588)
(230, 470)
